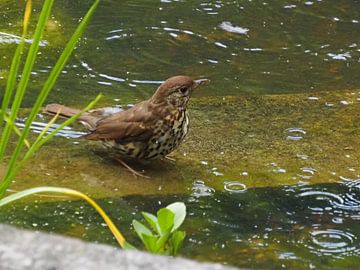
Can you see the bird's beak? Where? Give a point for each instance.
(199, 82)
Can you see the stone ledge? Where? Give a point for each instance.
(27, 250)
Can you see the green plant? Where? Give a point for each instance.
(15, 92)
(163, 236)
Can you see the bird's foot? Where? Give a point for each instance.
(134, 172)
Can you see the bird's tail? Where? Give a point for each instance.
(86, 119)
(63, 111)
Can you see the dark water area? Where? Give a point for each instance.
(290, 227)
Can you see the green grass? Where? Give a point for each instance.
(16, 91)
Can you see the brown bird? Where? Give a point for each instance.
(150, 130)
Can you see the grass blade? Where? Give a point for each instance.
(41, 98)
(14, 69)
(29, 63)
(38, 143)
(15, 128)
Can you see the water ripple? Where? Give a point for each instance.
(235, 187)
(199, 189)
(307, 172)
(295, 133)
(348, 200)
(333, 242)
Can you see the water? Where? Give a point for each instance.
(270, 168)
(287, 47)
(291, 227)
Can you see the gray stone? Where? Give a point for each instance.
(27, 250)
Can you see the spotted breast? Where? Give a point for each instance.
(167, 135)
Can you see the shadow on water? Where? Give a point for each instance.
(294, 227)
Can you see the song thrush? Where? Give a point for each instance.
(150, 130)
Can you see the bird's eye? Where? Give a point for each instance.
(183, 90)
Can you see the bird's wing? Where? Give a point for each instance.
(136, 123)
(122, 132)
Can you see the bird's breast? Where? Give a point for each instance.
(167, 134)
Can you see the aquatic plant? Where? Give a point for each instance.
(163, 236)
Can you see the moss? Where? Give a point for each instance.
(231, 139)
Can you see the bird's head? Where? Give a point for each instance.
(177, 90)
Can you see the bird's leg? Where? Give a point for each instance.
(134, 172)
(169, 157)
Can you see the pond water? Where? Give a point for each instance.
(270, 169)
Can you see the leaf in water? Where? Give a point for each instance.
(166, 219)
(179, 210)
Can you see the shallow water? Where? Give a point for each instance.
(270, 169)
(297, 227)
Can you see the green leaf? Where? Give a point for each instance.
(25, 76)
(161, 242)
(176, 241)
(141, 230)
(40, 141)
(150, 242)
(50, 82)
(179, 210)
(165, 220)
(152, 220)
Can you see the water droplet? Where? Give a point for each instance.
(337, 220)
(328, 104)
(279, 170)
(302, 156)
(344, 102)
